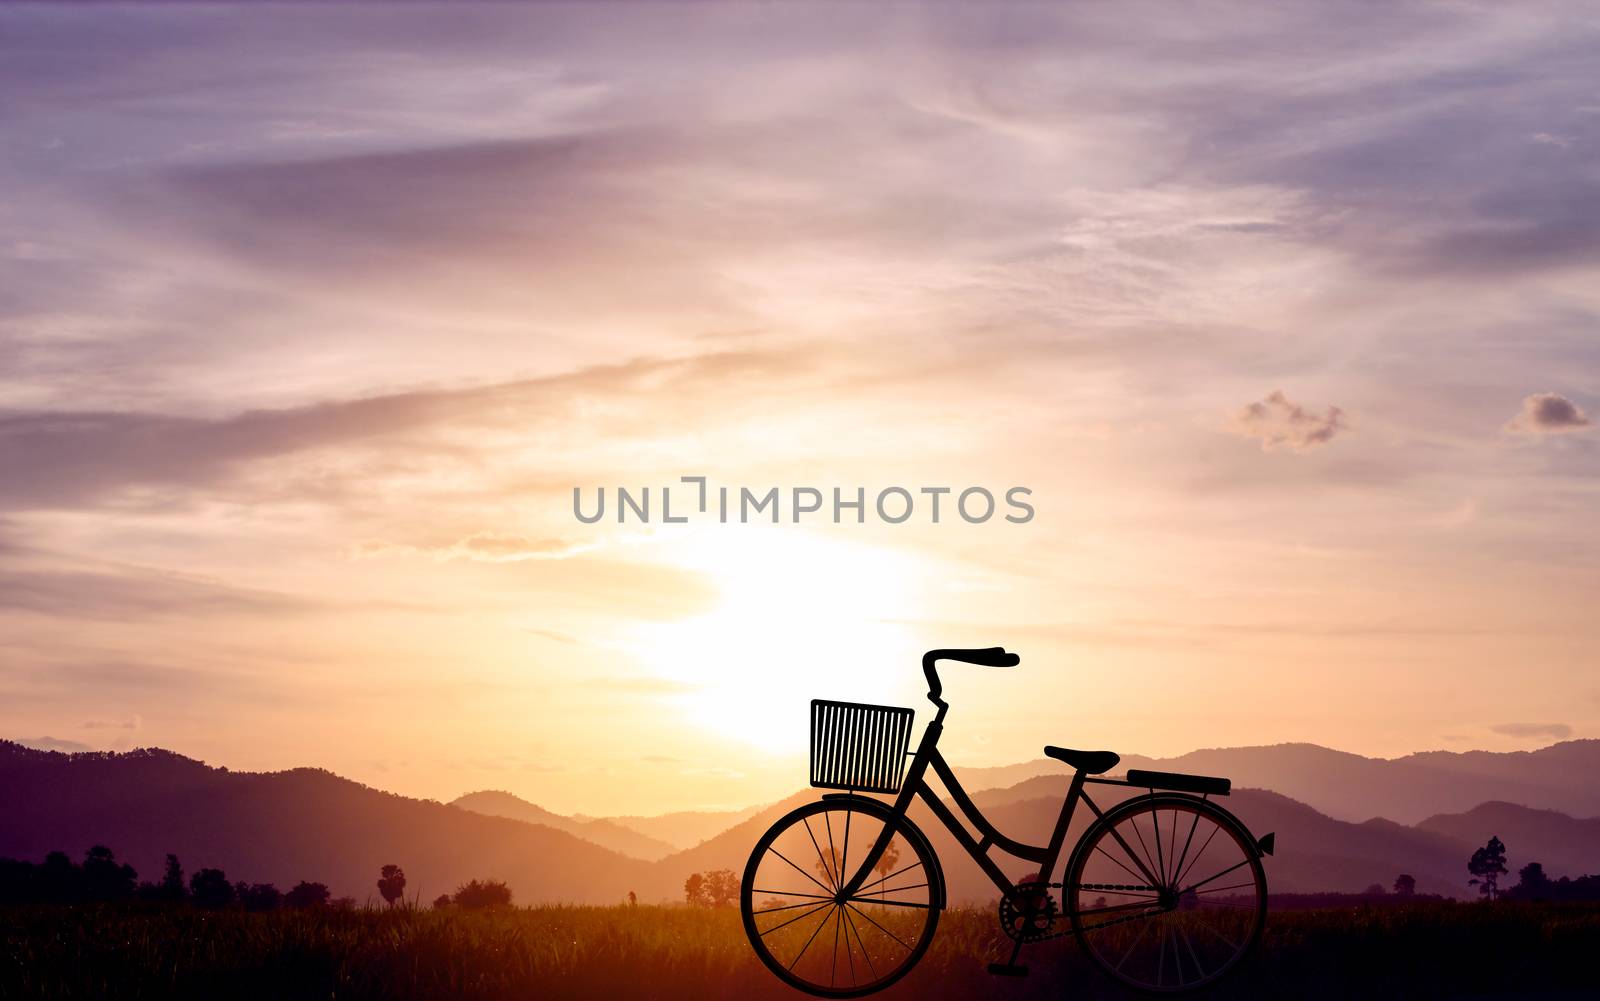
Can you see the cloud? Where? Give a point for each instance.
(134, 594)
(73, 459)
(1560, 731)
(1277, 422)
(52, 744)
(483, 547)
(1548, 413)
(132, 723)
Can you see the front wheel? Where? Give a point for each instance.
(1166, 892)
(812, 934)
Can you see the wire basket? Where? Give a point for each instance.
(859, 747)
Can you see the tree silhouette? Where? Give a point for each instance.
(633, 899)
(477, 894)
(171, 886)
(306, 894)
(106, 879)
(210, 888)
(258, 896)
(828, 866)
(1487, 865)
(722, 887)
(60, 881)
(1374, 890)
(1405, 884)
(392, 883)
(441, 902)
(694, 890)
(1532, 883)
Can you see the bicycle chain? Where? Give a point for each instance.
(1086, 886)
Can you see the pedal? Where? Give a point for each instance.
(1008, 970)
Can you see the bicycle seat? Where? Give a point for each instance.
(1088, 762)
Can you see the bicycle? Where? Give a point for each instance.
(1153, 918)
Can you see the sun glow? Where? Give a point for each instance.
(800, 616)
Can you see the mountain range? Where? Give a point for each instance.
(311, 824)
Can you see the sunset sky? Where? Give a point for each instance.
(311, 320)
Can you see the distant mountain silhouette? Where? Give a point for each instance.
(1315, 852)
(283, 827)
(1352, 787)
(683, 829)
(605, 833)
(1567, 846)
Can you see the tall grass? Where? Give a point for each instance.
(131, 951)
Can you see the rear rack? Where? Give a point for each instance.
(1204, 785)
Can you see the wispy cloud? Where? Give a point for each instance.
(1560, 731)
(54, 744)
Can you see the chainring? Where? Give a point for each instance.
(1029, 913)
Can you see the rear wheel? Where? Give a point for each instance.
(1167, 893)
(812, 934)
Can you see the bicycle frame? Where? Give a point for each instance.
(915, 784)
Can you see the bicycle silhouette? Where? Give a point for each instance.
(1165, 890)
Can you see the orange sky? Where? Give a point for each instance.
(310, 324)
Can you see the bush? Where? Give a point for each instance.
(480, 894)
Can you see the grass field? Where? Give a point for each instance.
(134, 951)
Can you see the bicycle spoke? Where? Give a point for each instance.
(881, 928)
(807, 821)
(1161, 957)
(785, 907)
(865, 952)
(1197, 855)
(1195, 886)
(833, 970)
(813, 938)
(793, 893)
(849, 953)
(1219, 889)
(891, 889)
(1136, 940)
(1230, 942)
(1172, 845)
(1160, 856)
(797, 917)
(1133, 822)
(1178, 868)
(800, 870)
(1138, 905)
(867, 886)
(1193, 956)
(1124, 868)
(1147, 876)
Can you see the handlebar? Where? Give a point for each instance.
(993, 656)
